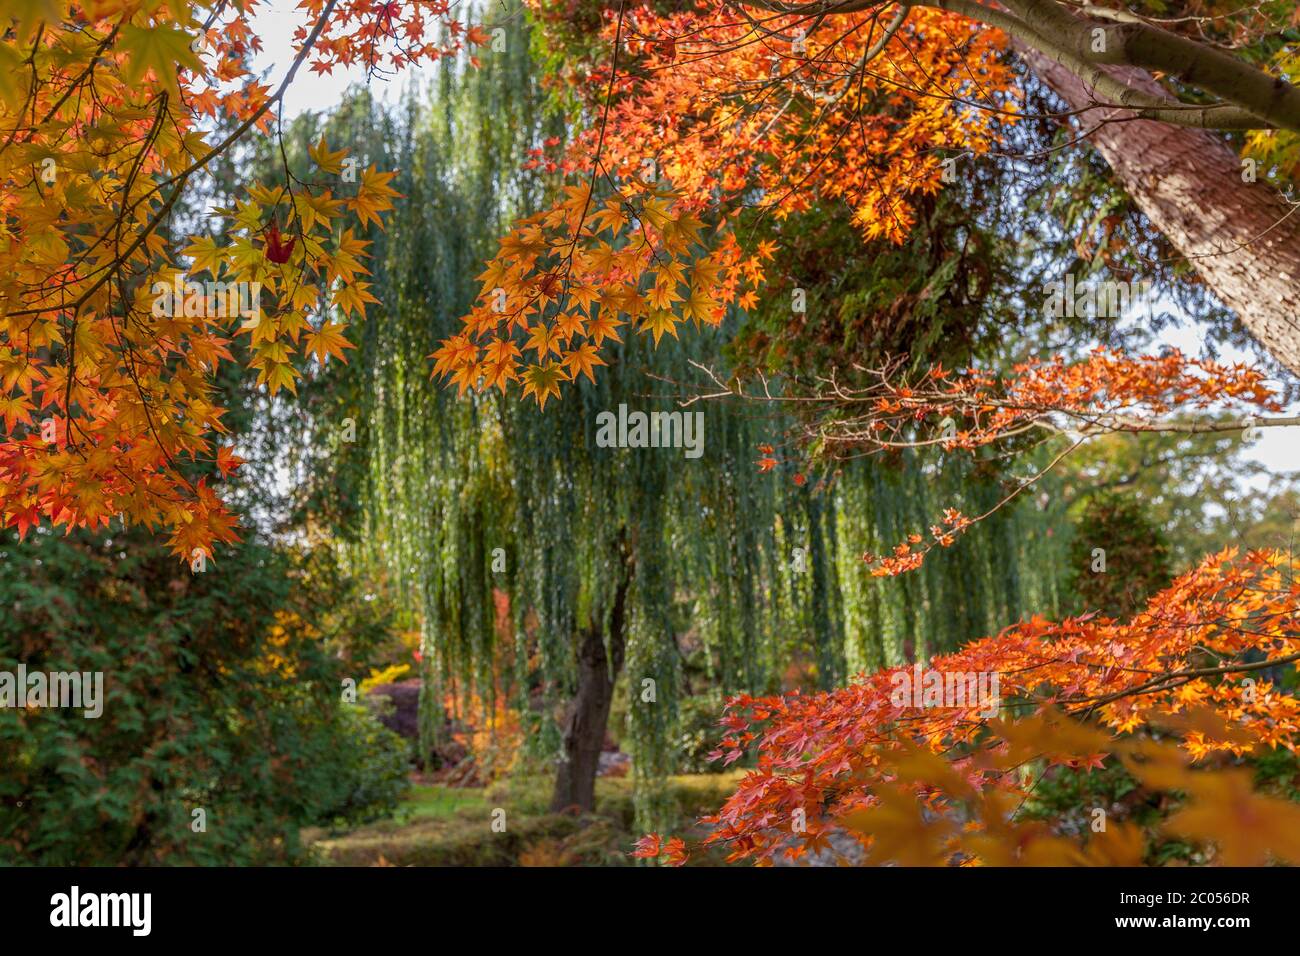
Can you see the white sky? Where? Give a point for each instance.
(275, 24)
(1278, 449)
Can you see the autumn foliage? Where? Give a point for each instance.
(1194, 660)
(111, 326)
(701, 122)
(962, 412)
(646, 235)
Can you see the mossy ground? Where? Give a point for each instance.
(452, 826)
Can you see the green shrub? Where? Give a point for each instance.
(215, 687)
(367, 775)
(1116, 530)
(699, 733)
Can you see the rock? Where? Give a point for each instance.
(401, 714)
(397, 707)
(613, 764)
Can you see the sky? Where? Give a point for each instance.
(1278, 449)
(275, 25)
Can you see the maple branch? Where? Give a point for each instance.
(1254, 98)
(1108, 424)
(1139, 44)
(1161, 682)
(855, 428)
(600, 145)
(180, 179)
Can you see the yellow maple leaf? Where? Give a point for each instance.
(658, 322)
(581, 360)
(328, 340)
(160, 48)
(374, 195)
(542, 381)
(327, 161)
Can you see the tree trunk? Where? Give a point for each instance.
(588, 714)
(1243, 238)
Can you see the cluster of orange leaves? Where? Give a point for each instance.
(1108, 389)
(973, 408)
(728, 107)
(566, 280)
(827, 754)
(384, 35)
(926, 813)
(703, 113)
(106, 114)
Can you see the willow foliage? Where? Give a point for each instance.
(760, 572)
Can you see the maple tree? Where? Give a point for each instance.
(1194, 648)
(924, 810)
(630, 242)
(108, 341)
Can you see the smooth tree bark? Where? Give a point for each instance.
(1243, 238)
(601, 648)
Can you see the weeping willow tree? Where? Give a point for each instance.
(540, 567)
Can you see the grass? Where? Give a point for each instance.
(453, 826)
(433, 801)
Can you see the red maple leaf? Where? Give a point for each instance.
(276, 249)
